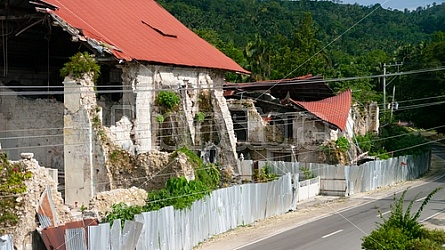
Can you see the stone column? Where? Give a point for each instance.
(144, 96)
(78, 142)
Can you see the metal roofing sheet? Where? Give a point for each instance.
(141, 30)
(303, 88)
(334, 110)
(54, 237)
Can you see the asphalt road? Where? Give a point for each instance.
(345, 229)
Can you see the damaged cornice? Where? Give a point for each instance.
(77, 35)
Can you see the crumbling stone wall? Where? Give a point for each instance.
(30, 200)
(147, 171)
(126, 153)
(194, 86)
(253, 122)
(35, 125)
(366, 119)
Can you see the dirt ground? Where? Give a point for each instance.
(314, 209)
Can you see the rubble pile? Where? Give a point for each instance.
(30, 200)
(103, 201)
(149, 170)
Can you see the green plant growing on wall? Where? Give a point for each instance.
(79, 64)
(12, 185)
(114, 156)
(200, 116)
(160, 118)
(168, 99)
(343, 144)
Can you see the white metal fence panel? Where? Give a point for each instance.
(149, 235)
(116, 235)
(314, 187)
(130, 234)
(75, 239)
(6, 242)
(347, 180)
(99, 237)
(303, 191)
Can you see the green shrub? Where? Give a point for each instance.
(168, 99)
(386, 238)
(12, 185)
(209, 175)
(79, 64)
(200, 116)
(365, 142)
(401, 141)
(343, 144)
(264, 174)
(423, 244)
(401, 230)
(160, 118)
(122, 211)
(178, 191)
(307, 173)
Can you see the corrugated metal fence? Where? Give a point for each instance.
(375, 174)
(223, 210)
(230, 207)
(6, 243)
(347, 180)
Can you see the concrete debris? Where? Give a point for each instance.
(149, 170)
(30, 200)
(102, 202)
(27, 156)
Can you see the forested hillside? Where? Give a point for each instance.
(283, 39)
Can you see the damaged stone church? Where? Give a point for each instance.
(293, 120)
(110, 133)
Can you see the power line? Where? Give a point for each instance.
(61, 92)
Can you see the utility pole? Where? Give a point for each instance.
(384, 85)
(384, 88)
(392, 103)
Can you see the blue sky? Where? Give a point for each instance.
(396, 4)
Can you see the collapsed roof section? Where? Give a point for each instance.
(135, 30)
(303, 88)
(310, 93)
(334, 110)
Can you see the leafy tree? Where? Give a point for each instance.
(422, 93)
(258, 58)
(402, 141)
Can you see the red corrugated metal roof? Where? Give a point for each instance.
(142, 30)
(334, 110)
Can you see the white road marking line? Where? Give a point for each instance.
(421, 199)
(328, 235)
(432, 216)
(385, 213)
